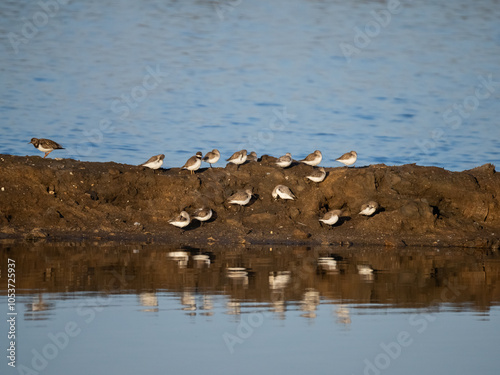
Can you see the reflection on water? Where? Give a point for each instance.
(38, 309)
(181, 257)
(278, 279)
(343, 314)
(149, 300)
(309, 303)
(221, 302)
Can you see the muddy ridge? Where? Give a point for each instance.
(48, 199)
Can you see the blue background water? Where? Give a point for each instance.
(269, 76)
(117, 335)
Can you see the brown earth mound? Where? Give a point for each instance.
(69, 199)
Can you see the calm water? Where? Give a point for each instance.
(150, 309)
(125, 80)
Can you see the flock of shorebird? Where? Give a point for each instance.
(242, 197)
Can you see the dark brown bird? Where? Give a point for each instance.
(45, 145)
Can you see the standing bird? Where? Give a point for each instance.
(369, 208)
(313, 159)
(154, 162)
(241, 197)
(283, 192)
(317, 175)
(45, 145)
(252, 156)
(202, 214)
(193, 163)
(349, 158)
(181, 221)
(284, 161)
(212, 157)
(239, 157)
(331, 217)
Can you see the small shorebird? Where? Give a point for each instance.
(239, 157)
(154, 162)
(202, 214)
(241, 197)
(284, 161)
(349, 158)
(193, 163)
(181, 221)
(369, 208)
(313, 159)
(317, 175)
(252, 156)
(331, 217)
(45, 145)
(212, 157)
(283, 192)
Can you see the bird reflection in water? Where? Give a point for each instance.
(201, 260)
(278, 281)
(366, 272)
(207, 305)
(149, 300)
(327, 265)
(233, 307)
(239, 275)
(191, 303)
(181, 257)
(309, 303)
(188, 300)
(343, 315)
(278, 305)
(38, 309)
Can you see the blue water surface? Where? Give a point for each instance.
(399, 82)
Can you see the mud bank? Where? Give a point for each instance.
(423, 206)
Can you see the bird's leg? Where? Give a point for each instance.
(47, 154)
